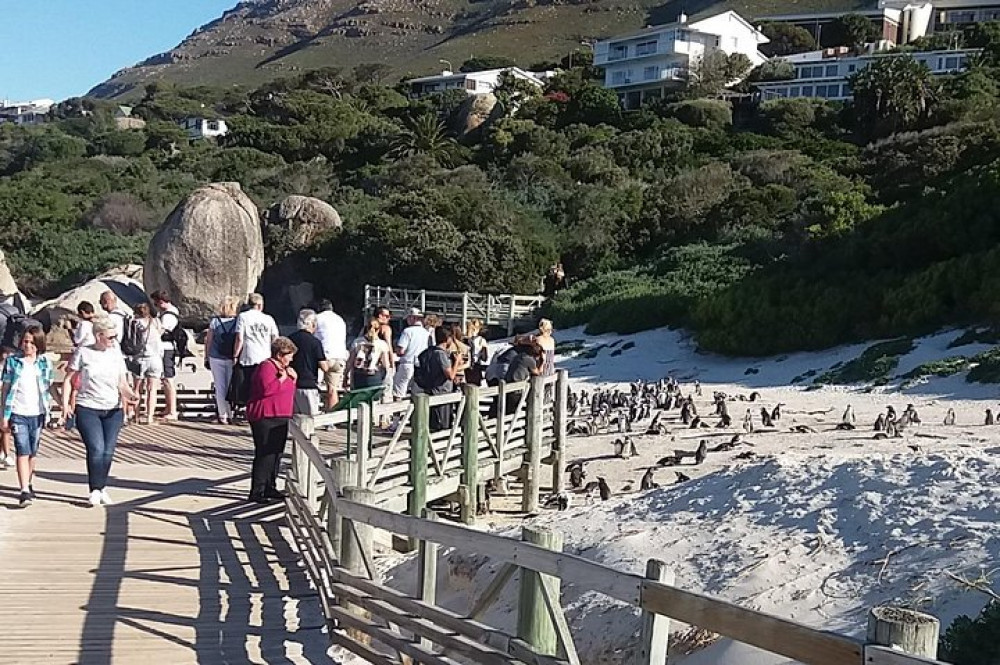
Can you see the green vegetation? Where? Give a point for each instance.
(944, 367)
(875, 365)
(763, 229)
(985, 367)
(970, 641)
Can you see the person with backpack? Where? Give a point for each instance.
(436, 371)
(117, 315)
(370, 357)
(255, 332)
(220, 347)
(146, 366)
(174, 348)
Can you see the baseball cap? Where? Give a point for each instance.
(414, 311)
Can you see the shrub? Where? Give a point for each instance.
(874, 365)
(710, 113)
(120, 213)
(973, 641)
(985, 367)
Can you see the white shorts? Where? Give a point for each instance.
(402, 380)
(150, 368)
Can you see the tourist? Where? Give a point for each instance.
(526, 363)
(310, 360)
(115, 314)
(384, 317)
(412, 342)
(83, 334)
(27, 378)
(94, 391)
(255, 332)
(6, 440)
(437, 369)
(170, 320)
(331, 331)
(548, 346)
(479, 352)
(269, 408)
(147, 366)
(220, 348)
(461, 349)
(370, 358)
(431, 323)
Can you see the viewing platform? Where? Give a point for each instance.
(507, 311)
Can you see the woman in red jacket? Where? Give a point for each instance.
(272, 393)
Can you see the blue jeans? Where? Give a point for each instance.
(99, 430)
(27, 432)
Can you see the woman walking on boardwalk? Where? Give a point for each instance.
(27, 377)
(220, 342)
(269, 408)
(95, 390)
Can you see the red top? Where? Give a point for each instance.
(270, 397)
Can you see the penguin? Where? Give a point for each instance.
(725, 422)
(949, 418)
(880, 423)
(632, 451)
(748, 422)
(695, 423)
(990, 420)
(765, 417)
(681, 478)
(702, 452)
(647, 482)
(619, 448)
(602, 486)
(577, 476)
(776, 413)
(848, 417)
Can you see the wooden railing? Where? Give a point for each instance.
(384, 625)
(504, 310)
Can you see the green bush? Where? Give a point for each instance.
(874, 365)
(944, 367)
(710, 113)
(973, 641)
(985, 367)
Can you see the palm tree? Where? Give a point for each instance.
(893, 94)
(426, 135)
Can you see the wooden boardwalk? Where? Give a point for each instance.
(180, 570)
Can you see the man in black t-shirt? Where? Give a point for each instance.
(309, 360)
(435, 375)
(526, 364)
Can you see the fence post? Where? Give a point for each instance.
(470, 452)
(423, 301)
(420, 439)
(344, 472)
(534, 623)
(501, 426)
(911, 632)
(364, 430)
(655, 627)
(427, 574)
(465, 309)
(533, 442)
(355, 547)
(510, 315)
(559, 420)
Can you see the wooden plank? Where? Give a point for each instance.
(534, 624)
(559, 429)
(655, 635)
(470, 454)
(393, 442)
(492, 591)
(419, 442)
(414, 650)
(563, 633)
(427, 572)
(363, 650)
(456, 422)
(765, 631)
(533, 438)
(364, 429)
(879, 655)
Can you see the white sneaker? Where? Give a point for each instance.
(95, 498)
(106, 498)
(9, 461)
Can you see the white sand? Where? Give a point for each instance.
(801, 530)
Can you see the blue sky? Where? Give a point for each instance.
(62, 48)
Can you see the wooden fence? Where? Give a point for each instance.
(386, 626)
(505, 311)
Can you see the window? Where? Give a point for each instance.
(617, 78)
(807, 91)
(650, 73)
(618, 51)
(851, 68)
(821, 91)
(831, 70)
(811, 72)
(845, 90)
(213, 125)
(470, 84)
(951, 63)
(645, 48)
(794, 91)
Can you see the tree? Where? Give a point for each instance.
(479, 63)
(892, 94)
(854, 30)
(371, 72)
(786, 39)
(426, 135)
(715, 71)
(773, 70)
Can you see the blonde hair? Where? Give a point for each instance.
(103, 324)
(473, 327)
(255, 299)
(545, 326)
(229, 306)
(432, 321)
(373, 329)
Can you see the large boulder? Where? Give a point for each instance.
(475, 112)
(208, 248)
(297, 222)
(9, 292)
(58, 315)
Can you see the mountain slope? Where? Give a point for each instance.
(260, 40)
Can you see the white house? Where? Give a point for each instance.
(203, 128)
(824, 73)
(640, 66)
(471, 82)
(34, 112)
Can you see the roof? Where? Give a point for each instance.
(480, 74)
(687, 25)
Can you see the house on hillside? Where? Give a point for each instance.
(471, 82)
(204, 128)
(34, 112)
(125, 120)
(824, 73)
(642, 65)
(888, 20)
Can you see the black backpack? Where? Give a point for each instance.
(224, 339)
(133, 341)
(427, 374)
(13, 323)
(178, 337)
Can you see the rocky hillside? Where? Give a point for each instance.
(262, 39)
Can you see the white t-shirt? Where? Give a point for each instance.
(118, 318)
(367, 354)
(101, 373)
(84, 334)
(258, 330)
(331, 331)
(154, 343)
(26, 398)
(170, 317)
(413, 341)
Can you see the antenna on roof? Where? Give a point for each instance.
(682, 18)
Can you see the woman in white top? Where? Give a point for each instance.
(370, 358)
(95, 389)
(147, 367)
(219, 346)
(27, 377)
